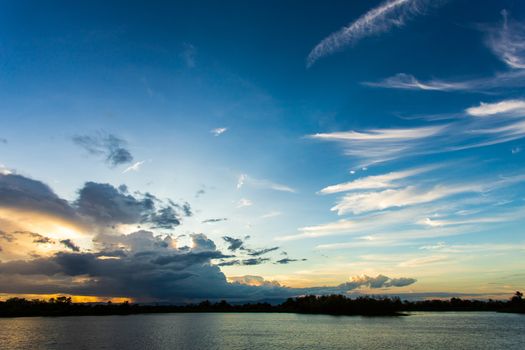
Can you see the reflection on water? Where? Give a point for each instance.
(430, 330)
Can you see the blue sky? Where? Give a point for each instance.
(361, 138)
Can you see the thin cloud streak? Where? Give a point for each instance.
(507, 42)
(374, 182)
(390, 14)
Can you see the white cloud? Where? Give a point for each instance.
(271, 214)
(508, 42)
(506, 107)
(409, 82)
(357, 203)
(218, 131)
(134, 167)
(245, 180)
(243, 202)
(405, 81)
(374, 182)
(423, 261)
(240, 181)
(391, 13)
(381, 134)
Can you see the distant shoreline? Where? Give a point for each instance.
(336, 305)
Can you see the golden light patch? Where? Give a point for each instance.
(56, 228)
(74, 298)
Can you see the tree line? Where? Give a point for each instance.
(310, 304)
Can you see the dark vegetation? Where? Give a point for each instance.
(330, 305)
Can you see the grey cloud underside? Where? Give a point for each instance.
(163, 274)
(112, 148)
(97, 203)
(17, 191)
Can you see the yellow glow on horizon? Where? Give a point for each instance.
(74, 298)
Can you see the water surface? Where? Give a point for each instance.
(230, 331)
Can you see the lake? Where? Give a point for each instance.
(230, 331)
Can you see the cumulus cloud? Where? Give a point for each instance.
(154, 272)
(388, 15)
(111, 147)
(109, 205)
(97, 204)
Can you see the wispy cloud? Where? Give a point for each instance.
(135, 167)
(388, 15)
(243, 202)
(380, 145)
(245, 180)
(506, 107)
(218, 131)
(374, 182)
(357, 203)
(508, 44)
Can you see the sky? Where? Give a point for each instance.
(175, 151)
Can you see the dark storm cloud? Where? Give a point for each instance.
(233, 243)
(208, 221)
(106, 204)
(112, 148)
(259, 252)
(20, 192)
(146, 271)
(165, 218)
(109, 205)
(70, 244)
